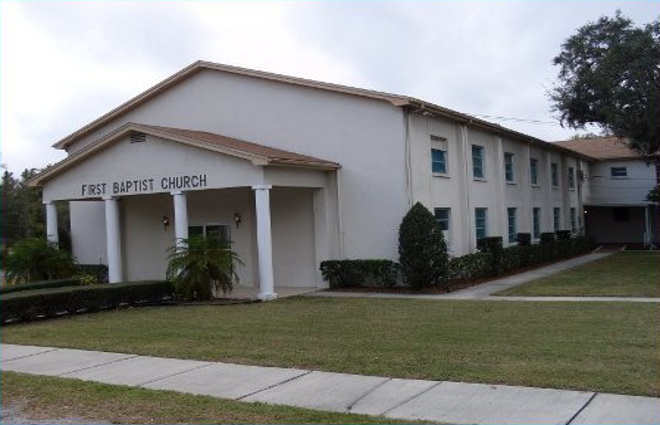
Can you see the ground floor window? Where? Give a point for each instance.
(443, 221)
(480, 216)
(536, 222)
(556, 214)
(573, 213)
(513, 231)
(221, 231)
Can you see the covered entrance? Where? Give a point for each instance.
(132, 200)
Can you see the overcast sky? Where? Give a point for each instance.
(63, 64)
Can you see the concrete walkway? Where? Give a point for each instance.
(407, 399)
(486, 290)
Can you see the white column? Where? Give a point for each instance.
(180, 217)
(264, 242)
(51, 223)
(113, 233)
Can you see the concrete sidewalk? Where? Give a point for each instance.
(406, 399)
(486, 290)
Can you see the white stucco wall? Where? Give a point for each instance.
(630, 190)
(88, 237)
(365, 136)
(459, 191)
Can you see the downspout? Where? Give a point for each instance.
(468, 184)
(408, 162)
(340, 221)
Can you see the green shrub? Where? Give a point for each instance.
(524, 239)
(563, 235)
(37, 303)
(493, 246)
(98, 271)
(422, 250)
(201, 265)
(40, 284)
(547, 237)
(470, 267)
(359, 273)
(37, 259)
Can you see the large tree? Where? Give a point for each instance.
(610, 77)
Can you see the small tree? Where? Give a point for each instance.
(199, 265)
(37, 259)
(422, 250)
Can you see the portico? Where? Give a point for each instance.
(264, 200)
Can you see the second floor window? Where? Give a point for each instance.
(534, 171)
(571, 178)
(438, 155)
(554, 174)
(508, 167)
(438, 161)
(478, 162)
(618, 172)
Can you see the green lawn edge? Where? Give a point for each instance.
(48, 398)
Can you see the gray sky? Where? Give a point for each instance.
(63, 64)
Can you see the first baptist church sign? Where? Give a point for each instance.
(131, 187)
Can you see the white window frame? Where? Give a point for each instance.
(614, 175)
(536, 222)
(509, 170)
(534, 171)
(512, 225)
(482, 162)
(485, 222)
(445, 233)
(554, 174)
(440, 144)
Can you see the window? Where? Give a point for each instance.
(556, 214)
(618, 172)
(536, 222)
(513, 232)
(478, 162)
(554, 174)
(442, 220)
(221, 231)
(508, 167)
(480, 222)
(573, 213)
(571, 178)
(438, 155)
(621, 214)
(534, 170)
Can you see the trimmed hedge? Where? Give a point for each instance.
(30, 305)
(99, 271)
(470, 267)
(360, 273)
(39, 284)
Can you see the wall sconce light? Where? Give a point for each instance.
(237, 219)
(166, 222)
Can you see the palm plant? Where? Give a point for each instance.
(199, 266)
(37, 259)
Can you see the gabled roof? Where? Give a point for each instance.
(394, 99)
(601, 148)
(257, 154)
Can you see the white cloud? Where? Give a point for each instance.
(63, 64)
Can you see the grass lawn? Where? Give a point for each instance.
(608, 347)
(624, 274)
(47, 398)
